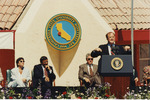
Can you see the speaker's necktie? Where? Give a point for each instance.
(112, 53)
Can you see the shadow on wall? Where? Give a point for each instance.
(61, 59)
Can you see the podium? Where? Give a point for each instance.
(116, 69)
(116, 65)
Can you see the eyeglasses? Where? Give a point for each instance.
(90, 58)
(22, 61)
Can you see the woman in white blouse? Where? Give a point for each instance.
(19, 75)
(1, 77)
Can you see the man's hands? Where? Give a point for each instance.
(47, 66)
(47, 79)
(136, 79)
(127, 48)
(86, 79)
(24, 80)
(98, 49)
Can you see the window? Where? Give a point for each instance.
(144, 57)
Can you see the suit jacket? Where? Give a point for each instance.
(16, 80)
(38, 76)
(132, 82)
(118, 51)
(83, 72)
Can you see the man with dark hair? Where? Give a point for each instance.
(19, 75)
(43, 74)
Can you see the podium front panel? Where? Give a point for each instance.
(107, 68)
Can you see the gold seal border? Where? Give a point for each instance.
(67, 46)
(112, 65)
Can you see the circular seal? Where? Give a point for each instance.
(117, 63)
(63, 32)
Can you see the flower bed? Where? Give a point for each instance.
(100, 92)
(141, 92)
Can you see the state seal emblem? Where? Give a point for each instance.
(63, 32)
(116, 63)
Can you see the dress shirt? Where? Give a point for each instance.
(89, 68)
(109, 48)
(44, 71)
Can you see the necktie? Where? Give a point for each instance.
(91, 71)
(112, 53)
(45, 72)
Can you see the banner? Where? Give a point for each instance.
(6, 40)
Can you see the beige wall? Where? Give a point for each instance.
(31, 44)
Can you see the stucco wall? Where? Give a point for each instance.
(31, 43)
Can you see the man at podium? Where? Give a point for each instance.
(108, 65)
(110, 48)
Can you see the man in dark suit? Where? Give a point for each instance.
(43, 75)
(88, 73)
(110, 48)
(133, 79)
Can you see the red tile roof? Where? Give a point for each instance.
(10, 11)
(117, 13)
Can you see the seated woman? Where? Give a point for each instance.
(19, 75)
(1, 77)
(146, 74)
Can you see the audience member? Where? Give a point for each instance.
(88, 73)
(43, 75)
(19, 75)
(134, 79)
(146, 74)
(1, 77)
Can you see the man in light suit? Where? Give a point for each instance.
(19, 75)
(110, 48)
(88, 73)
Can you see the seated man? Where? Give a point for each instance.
(43, 75)
(88, 73)
(146, 74)
(19, 75)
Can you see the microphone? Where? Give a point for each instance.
(115, 49)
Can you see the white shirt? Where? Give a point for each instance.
(89, 68)
(17, 77)
(1, 75)
(44, 71)
(109, 48)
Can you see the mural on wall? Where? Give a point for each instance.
(63, 34)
